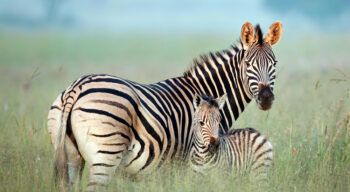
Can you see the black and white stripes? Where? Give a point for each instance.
(109, 122)
(242, 150)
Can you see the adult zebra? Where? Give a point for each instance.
(108, 122)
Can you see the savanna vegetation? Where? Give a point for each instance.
(308, 125)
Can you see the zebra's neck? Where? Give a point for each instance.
(202, 159)
(219, 73)
(199, 152)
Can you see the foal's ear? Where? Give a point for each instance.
(275, 33)
(196, 100)
(221, 101)
(247, 34)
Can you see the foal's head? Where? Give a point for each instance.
(207, 119)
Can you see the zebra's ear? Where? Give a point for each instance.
(221, 101)
(196, 100)
(247, 34)
(275, 33)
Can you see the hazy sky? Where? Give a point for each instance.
(151, 16)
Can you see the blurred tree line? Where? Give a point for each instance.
(52, 9)
(320, 11)
(50, 13)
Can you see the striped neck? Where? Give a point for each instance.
(212, 75)
(219, 73)
(202, 159)
(200, 155)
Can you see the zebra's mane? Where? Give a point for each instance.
(203, 60)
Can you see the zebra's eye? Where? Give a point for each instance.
(201, 123)
(247, 63)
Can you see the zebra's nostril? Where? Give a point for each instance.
(265, 98)
(265, 93)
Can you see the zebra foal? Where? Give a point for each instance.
(242, 150)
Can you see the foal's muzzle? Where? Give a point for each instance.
(213, 145)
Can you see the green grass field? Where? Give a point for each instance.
(308, 125)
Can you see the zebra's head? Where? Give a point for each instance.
(259, 62)
(206, 119)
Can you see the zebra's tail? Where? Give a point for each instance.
(53, 125)
(61, 166)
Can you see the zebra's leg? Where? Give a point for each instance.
(75, 162)
(103, 135)
(260, 173)
(103, 163)
(102, 147)
(261, 166)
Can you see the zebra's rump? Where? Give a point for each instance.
(120, 113)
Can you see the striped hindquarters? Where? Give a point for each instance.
(251, 152)
(145, 123)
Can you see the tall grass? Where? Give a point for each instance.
(308, 125)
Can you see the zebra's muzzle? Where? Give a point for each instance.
(265, 97)
(213, 145)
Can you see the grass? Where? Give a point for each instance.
(309, 124)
